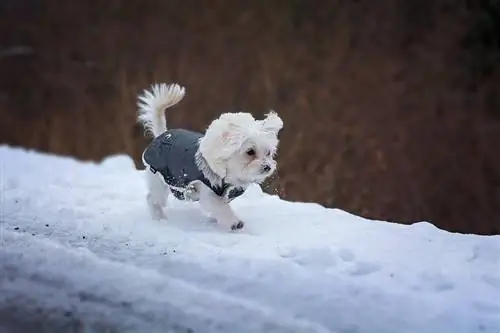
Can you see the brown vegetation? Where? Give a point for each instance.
(386, 112)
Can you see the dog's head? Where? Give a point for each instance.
(240, 149)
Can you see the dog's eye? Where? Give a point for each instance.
(251, 152)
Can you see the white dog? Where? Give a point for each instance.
(212, 168)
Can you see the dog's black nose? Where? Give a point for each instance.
(266, 168)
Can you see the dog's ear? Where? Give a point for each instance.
(211, 149)
(222, 138)
(272, 123)
(219, 150)
(218, 166)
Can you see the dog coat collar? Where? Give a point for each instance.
(174, 155)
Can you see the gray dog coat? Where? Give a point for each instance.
(172, 154)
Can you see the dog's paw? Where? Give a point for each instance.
(238, 225)
(157, 213)
(158, 216)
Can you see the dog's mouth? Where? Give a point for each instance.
(248, 180)
(255, 176)
(261, 177)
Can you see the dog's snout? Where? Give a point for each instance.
(266, 168)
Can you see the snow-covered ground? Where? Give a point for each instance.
(79, 253)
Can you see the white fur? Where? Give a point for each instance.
(227, 138)
(225, 152)
(152, 104)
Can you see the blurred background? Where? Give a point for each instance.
(391, 108)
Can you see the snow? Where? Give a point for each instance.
(79, 253)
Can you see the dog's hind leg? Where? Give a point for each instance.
(157, 195)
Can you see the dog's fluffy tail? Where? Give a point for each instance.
(152, 104)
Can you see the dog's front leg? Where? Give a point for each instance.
(219, 209)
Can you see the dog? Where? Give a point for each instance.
(213, 168)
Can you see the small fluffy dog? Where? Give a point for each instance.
(212, 168)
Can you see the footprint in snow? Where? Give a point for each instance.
(326, 258)
(486, 307)
(357, 268)
(485, 252)
(314, 257)
(493, 281)
(432, 281)
(364, 268)
(346, 255)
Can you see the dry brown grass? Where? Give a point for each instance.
(381, 117)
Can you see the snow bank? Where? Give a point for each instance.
(79, 253)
